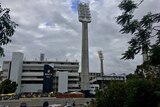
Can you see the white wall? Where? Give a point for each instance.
(16, 69)
(62, 82)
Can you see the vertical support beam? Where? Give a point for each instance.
(85, 58)
(101, 67)
(85, 18)
(102, 85)
(16, 69)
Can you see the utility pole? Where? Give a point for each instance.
(100, 53)
(84, 18)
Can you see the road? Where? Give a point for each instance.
(38, 102)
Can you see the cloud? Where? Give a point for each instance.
(52, 27)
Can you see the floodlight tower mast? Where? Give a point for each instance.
(84, 18)
(101, 62)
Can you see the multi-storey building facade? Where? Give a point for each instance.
(29, 74)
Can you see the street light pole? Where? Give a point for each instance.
(84, 18)
(101, 65)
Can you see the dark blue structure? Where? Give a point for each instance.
(48, 79)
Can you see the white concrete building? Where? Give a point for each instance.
(29, 74)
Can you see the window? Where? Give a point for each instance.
(32, 82)
(6, 62)
(5, 70)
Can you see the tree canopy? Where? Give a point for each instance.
(8, 86)
(111, 96)
(7, 28)
(140, 93)
(143, 31)
(137, 91)
(132, 93)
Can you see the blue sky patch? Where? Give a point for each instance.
(74, 5)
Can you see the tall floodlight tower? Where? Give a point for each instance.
(85, 18)
(101, 64)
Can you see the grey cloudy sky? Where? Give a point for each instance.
(52, 27)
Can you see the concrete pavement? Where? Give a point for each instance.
(38, 102)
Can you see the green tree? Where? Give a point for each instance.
(140, 93)
(134, 76)
(7, 28)
(8, 86)
(155, 55)
(112, 96)
(133, 93)
(143, 31)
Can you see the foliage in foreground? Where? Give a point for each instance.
(7, 28)
(8, 86)
(139, 90)
(114, 93)
(144, 31)
(133, 93)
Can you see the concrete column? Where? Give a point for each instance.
(85, 58)
(16, 69)
(102, 74)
